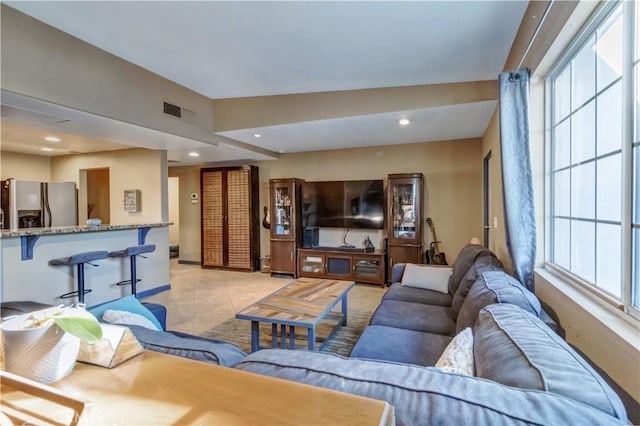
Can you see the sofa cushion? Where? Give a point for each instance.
(398, 291)
(484, 263)
(494, 287)
(188, 346)
(435, 278)
(457, 357)
(399, 345)
(425, 396)
(414, 316)
(515, 348)
(463, 262)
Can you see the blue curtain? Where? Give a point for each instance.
(519, 213)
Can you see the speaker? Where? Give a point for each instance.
(310, 237)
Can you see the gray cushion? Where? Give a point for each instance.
(515, 348)
(484, 263)
(188, 346)
(414, 316)
(495, 287)
(463, 262)
(399, 345)
(405, 293)
(425, 396)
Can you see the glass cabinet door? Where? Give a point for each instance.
(282, 205)
(405, 198)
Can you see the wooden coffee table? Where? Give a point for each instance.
(304, 303)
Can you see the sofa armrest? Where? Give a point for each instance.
(396, 272)
(188, 346)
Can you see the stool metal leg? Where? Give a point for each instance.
(81, 282)
(133, 275)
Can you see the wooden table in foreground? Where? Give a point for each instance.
(304, 303)
(159, 389)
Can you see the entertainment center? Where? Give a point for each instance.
(338, 264)
(301, 209)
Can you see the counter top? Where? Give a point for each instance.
(57, 230)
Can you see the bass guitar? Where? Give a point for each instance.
(266, 221)
(434, 255)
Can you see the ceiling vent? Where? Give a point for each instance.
(179, 112)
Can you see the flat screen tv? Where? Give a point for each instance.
(357, 204)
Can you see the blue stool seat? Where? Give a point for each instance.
(79, 260)
(132, 253)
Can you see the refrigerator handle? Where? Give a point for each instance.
(47, 219)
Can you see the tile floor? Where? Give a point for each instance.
(200, 299)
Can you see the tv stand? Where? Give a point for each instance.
(342, 263)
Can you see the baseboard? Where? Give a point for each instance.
(188, 262)
(152, 291)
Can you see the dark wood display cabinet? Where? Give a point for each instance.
(230, 218)
(342, 265)
(404, 218)
(286, 225)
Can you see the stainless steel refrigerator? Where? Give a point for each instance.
(30, 204)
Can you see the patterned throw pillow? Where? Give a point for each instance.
(458, 355)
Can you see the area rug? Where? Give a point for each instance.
(362, 302)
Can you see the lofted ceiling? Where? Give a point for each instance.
(227, 50)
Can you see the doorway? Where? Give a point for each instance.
(486, 183)
(98, 195)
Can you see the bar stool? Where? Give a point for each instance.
(132, 253)
(79, 260)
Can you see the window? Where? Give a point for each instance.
(594, 148)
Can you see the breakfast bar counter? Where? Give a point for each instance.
(26, 272)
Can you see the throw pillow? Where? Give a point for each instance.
(129, 304)
(127, 318)
(434, 278)
(458, 355)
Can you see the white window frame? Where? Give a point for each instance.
(598, 18)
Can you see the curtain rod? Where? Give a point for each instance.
(535, 33)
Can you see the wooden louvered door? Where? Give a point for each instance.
(212, 219)
(230, 218)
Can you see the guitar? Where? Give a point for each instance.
(434, 255)
(265, 221)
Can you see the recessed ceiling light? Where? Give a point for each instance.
(52, 139)
(257, 135)
(194, 154)
(404, 121)
(46, 148)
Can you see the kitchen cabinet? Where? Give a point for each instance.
(286, 225)
(405, 193)
(230, 218)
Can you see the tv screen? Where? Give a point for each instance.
(355, 204)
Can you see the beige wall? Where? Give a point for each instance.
(453, 188)
(25, 167)
(174, 210)
(129, 169)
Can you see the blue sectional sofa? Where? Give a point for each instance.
(525, 373)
